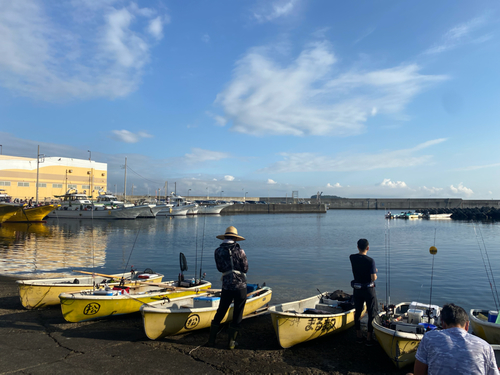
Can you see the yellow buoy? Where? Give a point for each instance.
(433, 250)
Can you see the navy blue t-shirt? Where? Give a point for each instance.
(362, 268)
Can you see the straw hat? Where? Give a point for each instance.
(231, 232)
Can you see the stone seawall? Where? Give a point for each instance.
(275, 209)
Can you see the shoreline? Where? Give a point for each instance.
(41, 341)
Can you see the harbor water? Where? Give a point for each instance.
(297, 255)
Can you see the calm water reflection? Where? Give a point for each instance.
(294, 254)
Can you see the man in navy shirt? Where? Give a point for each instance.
(365, 274)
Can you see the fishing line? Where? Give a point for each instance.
(433, 251)
(196, 252)
(133, 246)
(203, 242)
(489, 265)
(495, 297)
(388, 265)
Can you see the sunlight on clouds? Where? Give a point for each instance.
(461, 189)
(393, 184)
(311, 162)
(129, 137)
(228, 178)
(49, 61)
(199, 155)
(271, 182)
(271, 10)
(302, 98)
(337, 185)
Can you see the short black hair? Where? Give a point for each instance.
(363, 244)
(454, 315)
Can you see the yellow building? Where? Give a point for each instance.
(18, 177)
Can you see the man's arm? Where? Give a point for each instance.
(374, 277)
(420, 368)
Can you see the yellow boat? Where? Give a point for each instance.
(32, 214)
(398, 334)
(101, 303)
(304, 320)
(45, 292)
(488, 331)
(166, 318)
(7, 210)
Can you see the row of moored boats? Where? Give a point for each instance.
(74, 205)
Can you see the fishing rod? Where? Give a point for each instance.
(388, 265)
(433, 250)
(202, 243)
(491, 281)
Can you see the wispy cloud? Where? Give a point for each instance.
(205, 38)
(476, 167)
(199, 155)
(129, 137)
(364, 35)
(101, 52)
(304, 99)
(336, 185)
(270, 10)
(459, 35)
(310, 162)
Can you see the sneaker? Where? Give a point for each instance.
(369, 343)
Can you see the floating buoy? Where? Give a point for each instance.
(433, 250)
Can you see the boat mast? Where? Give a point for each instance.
(125, 183)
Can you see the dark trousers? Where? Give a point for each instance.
(239, 297)
(369, 297)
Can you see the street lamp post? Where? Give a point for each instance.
(90, 154)
(222, 191)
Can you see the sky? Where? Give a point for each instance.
(257, 98)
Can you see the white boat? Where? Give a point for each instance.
(211, 207)
(110, 200)
(75, 205)
(437, 216)
(178, 206)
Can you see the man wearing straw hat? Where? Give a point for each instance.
(231, 260)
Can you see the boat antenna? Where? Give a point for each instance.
(433, 250)
(489, 274)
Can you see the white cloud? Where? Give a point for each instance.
(337, 185)
(271, 10)
(219, 120)
(155, 27)
(393, 184)
(461, 190)
(475, 167)
(303, 98)
(99, 52)
(199, 155)
(129, 137)
(310, 162)
(459, 35)
(228, 178)
(271, 182)
(205, 38)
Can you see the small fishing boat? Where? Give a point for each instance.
(487, 330)
(299, 321)
(400, 329)
(37, 293)
(119, 300)
(166, 318)
(31, 214)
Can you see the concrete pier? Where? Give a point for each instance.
(318, 208)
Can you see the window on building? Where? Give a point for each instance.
(42, 184)
(57, 186)
(4, 183)
(85, 186)
(25, 184)
(71, 186)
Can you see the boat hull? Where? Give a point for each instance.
(166, 319)
(7, 210)
(83, 306)
(31, 214)
(293, 327)
(107, 214)
(488, 331)
(401, 347)
(45, 292)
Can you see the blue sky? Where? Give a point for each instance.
(355, 99)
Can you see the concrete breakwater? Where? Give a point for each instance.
(403, 204)
(319, 208)
(475, 214)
